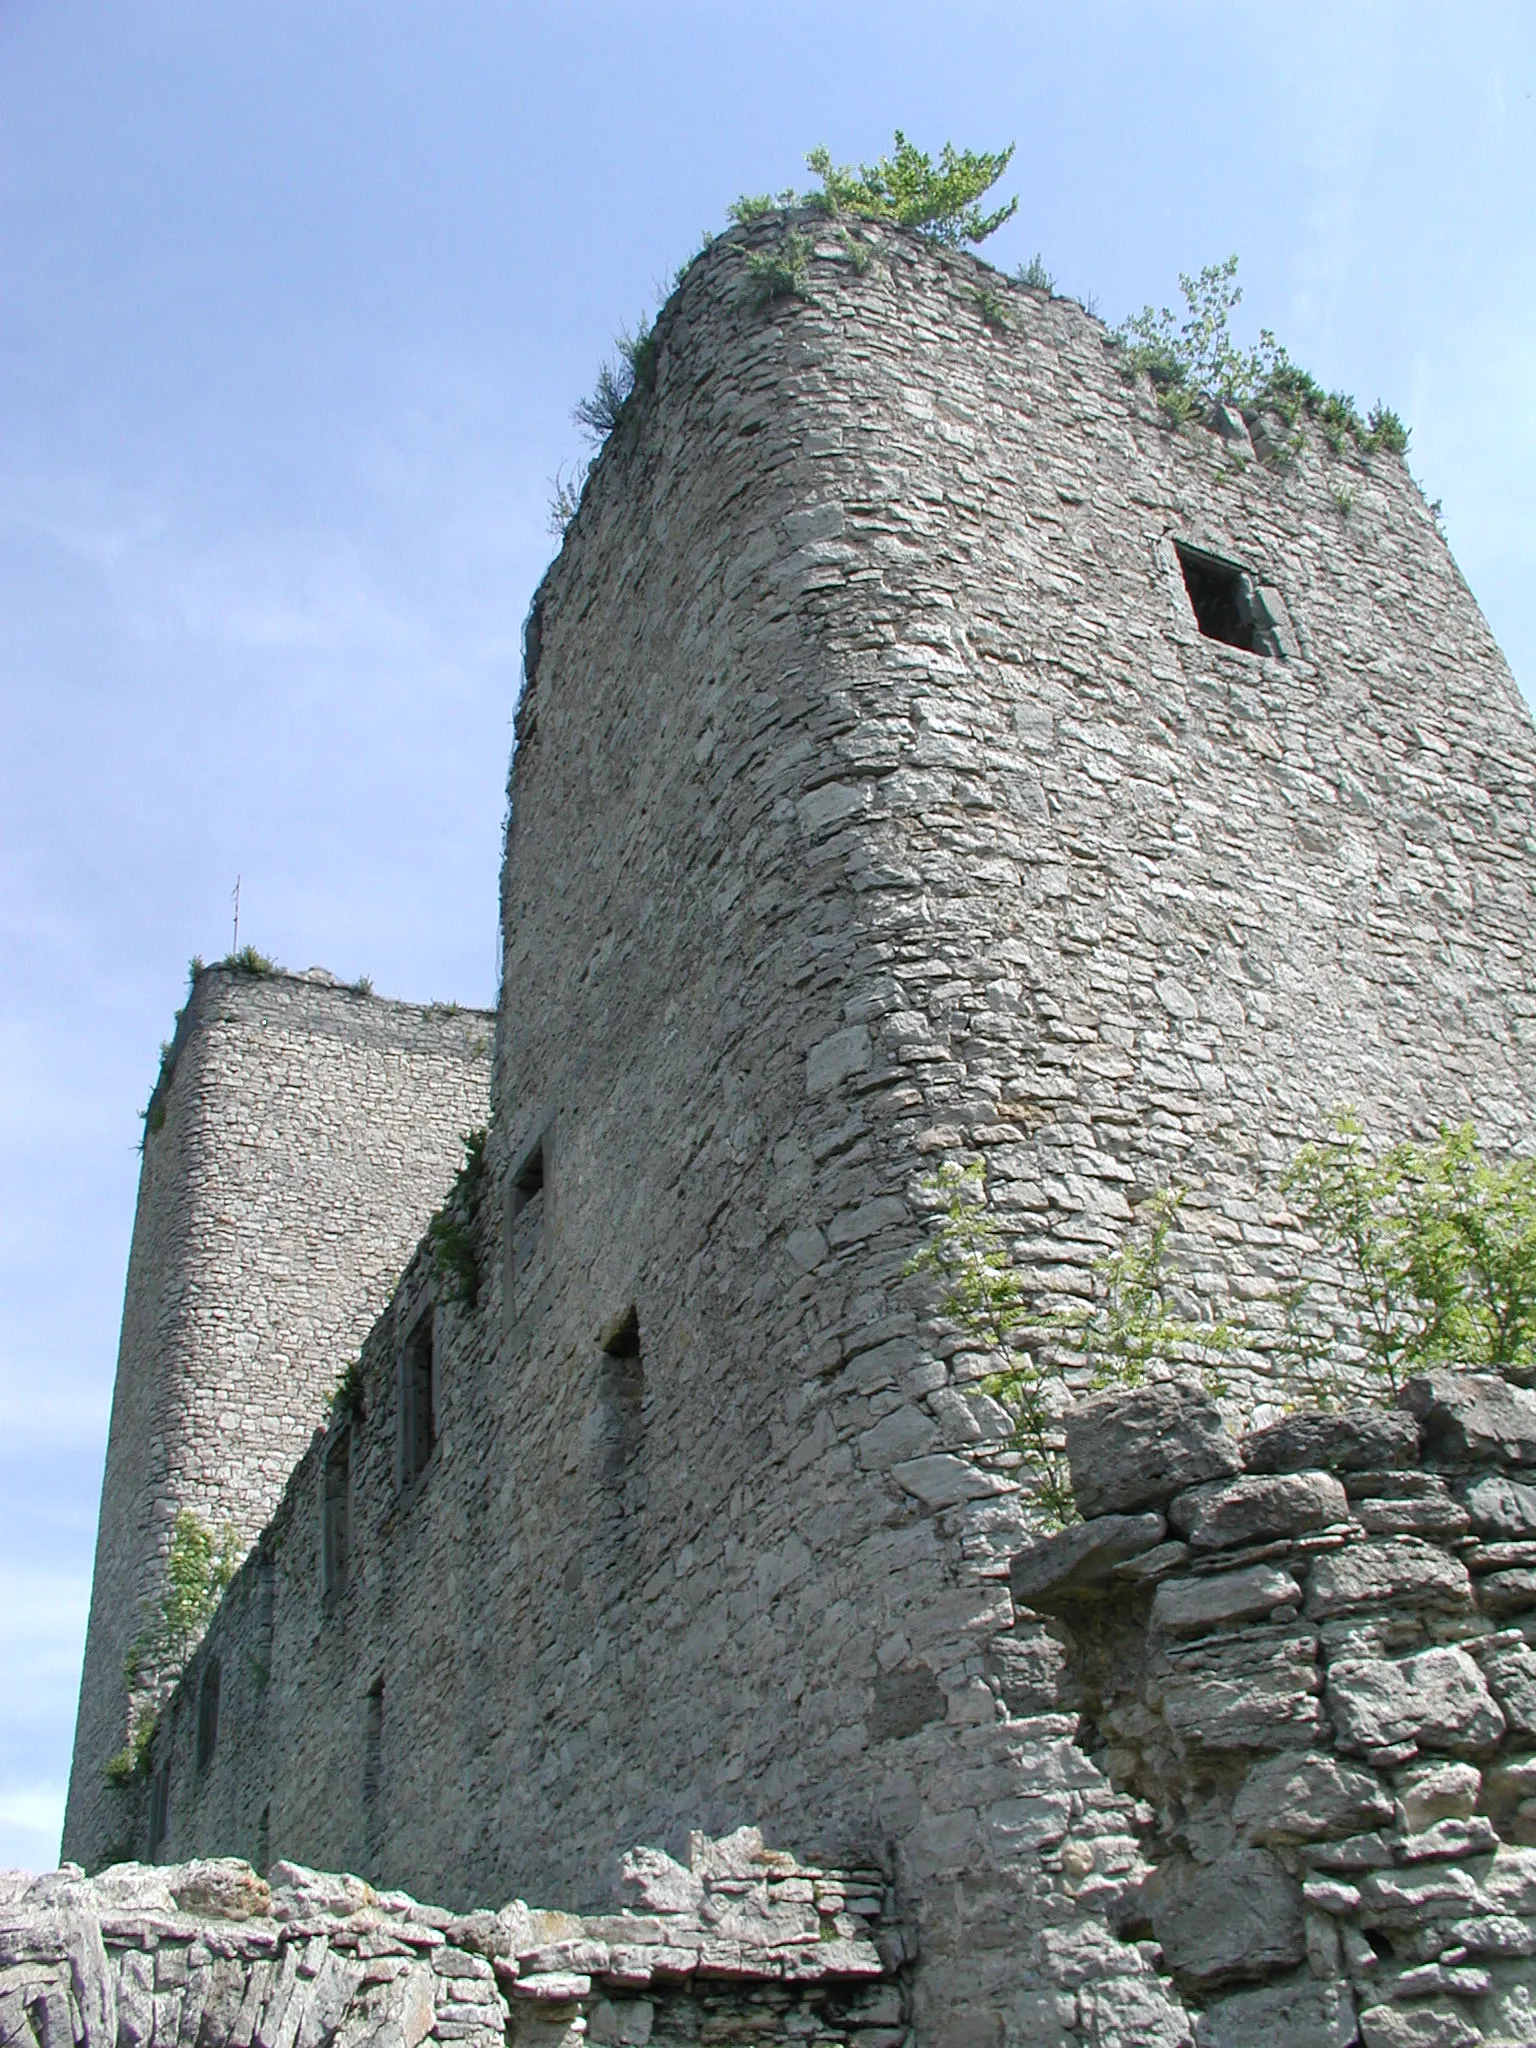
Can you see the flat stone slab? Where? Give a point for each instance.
(1405, 1572)
(1081, 1560)
(1136, 1448)
(1359, 1439)
(1256, 1688)
(1300, 2014)
(1437, 1699)
(1472, 1419)
(1225, 1513)
(1237, 1917)
(1191, 1607)
(1502, 1509)
(1313, 1798)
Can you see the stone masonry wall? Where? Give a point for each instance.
(743, 1945)
(876, 802)
(1309, 1657)
(308, 1132)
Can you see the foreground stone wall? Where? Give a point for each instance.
(1309, 1657)
(300, 1137)
(742, 1945)
(876, 803)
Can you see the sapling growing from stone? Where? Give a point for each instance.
(198, 1566)
(1110, 1340)
(1437, 1245)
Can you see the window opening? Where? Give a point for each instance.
(159, 1810)
(373, 1763)
(336, 1546)
(208, 1713)
(617, 1420)
(529, 1179)
(418, 1418)
(1225, 602)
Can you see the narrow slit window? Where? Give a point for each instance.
(208, 1713)
(336, 1549)
(373, 1765)
(1226, 602)
(529, 1180)
(159, 1810)
(418, 1403)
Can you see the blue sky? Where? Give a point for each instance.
(297, 299)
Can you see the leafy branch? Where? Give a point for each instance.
(198, 1567)
(908, 189)
(1196, 362)
(618, 381)
(1130, 1321)
(454, 1232)
(1438, 1245)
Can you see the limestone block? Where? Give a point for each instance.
(1433, 1515)
(1510, 1881)
(1346, 1440)
(1133, 2012)
(941, 1480)
(1225, 1513)
(1081, 1558)
(1238, 1917)
(1436, 1699)
(1511, 1592)
(1137, 1449)
(70, 1936)
(220, 1888)
(1380, 1574)
(1510, 1669)
(1190, 1607)
(1257, 1689)
(1502, 1508)
(1472, 1419)
(1416, 2026)
(299, 1892)
(653, 1880)
(1300, 2013)
(395, 2014)
(1431, 1792)
(1309, 1799)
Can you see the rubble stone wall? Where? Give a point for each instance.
(301, 1136)
(742, 1945)
(876, 802)
(1311, 1659)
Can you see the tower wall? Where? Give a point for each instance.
(877, 802)
(299, 1140)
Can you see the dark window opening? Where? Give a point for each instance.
(1225, 602)
(373, 1764)
(418, 1417)
(621, 1337)
(528, 1181)
(616, 1424)
(208, 1714)
(336, 1545)
(159, 1810)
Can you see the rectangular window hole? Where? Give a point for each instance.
(336, 1547)
(418, 1403)
(159, 1810)
(528, 1181)
(208, 1713)
(1226, 602)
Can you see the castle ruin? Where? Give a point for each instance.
(925, 753)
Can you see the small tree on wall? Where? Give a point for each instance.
(1435, 1245)
(198, 1567)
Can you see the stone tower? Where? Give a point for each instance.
(295, 1147)
(927, 753)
